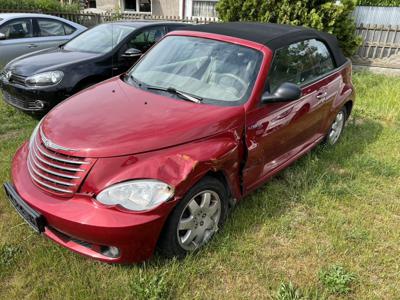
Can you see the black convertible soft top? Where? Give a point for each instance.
(274, 36)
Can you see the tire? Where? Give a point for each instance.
(336, 129)
(189, 227)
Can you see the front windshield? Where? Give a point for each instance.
(100, 39)
(209, 69)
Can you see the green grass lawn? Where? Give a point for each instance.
(327, 227)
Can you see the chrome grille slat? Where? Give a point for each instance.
(49, 178)
(60, 159)
(53, 171)
(55, 165)
(50, 171)
(19, 79)
(48, 185)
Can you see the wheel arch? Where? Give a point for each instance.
(349, 107)
(91, 79)
(222, 177)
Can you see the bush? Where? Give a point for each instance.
(336, 280)
(378, 2)
(38, 5)
(321, 15)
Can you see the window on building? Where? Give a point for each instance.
(92, 3)
(204, 9)
(144, 6)
(138, 5)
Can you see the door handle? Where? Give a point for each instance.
(322, 95)
(32, 46)
(284, 114)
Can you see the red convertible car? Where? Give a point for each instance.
(155, 158)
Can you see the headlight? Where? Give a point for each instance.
(45, 79)
(137, 195)
(34, 133)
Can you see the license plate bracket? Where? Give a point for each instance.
(30, 216)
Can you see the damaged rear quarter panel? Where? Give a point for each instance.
(180, 166)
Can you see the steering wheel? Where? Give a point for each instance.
(236, 79)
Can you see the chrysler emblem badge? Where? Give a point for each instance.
(49, 144)
(8, 75)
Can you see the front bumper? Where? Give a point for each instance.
(81, 225)
(32, 100)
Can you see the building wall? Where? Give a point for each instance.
(159, 7)
(165, 8)
(107, 4)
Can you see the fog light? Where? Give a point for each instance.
(39, 103)
(110, 251)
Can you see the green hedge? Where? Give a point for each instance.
(378, 2)
(42, 5)
(322, 15)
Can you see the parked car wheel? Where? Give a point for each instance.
(336, 129)
(196, 219)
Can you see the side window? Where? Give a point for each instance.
(299, 63)
(144, 40)
(69, 29)
(50, 27)
(322, 57)
(18, 29)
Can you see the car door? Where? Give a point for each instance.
(51, 32)
(18, 39)
(141, 40)
(278, 132)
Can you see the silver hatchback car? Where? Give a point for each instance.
(24, 33)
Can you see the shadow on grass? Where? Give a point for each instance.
(323, 165)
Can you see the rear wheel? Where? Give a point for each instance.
(336, 129)
(196, 219)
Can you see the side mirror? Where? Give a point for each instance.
(2, 36)
(131, 53)
(286, 92)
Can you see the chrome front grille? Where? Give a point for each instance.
(18, 79)
(55, 172)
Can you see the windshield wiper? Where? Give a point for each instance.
(135, 80)
(181, 94)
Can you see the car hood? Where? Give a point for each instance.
(114, 118)
(47, 60)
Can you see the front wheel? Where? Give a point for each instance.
(336, 129)
(196, 219)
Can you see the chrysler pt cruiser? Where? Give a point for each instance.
(155, 158)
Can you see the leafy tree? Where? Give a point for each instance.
(330, 16)
(41, 5)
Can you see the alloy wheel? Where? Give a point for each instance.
(336, 128)
(199, 220)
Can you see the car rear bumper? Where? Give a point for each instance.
(32, 100)
(83, 226)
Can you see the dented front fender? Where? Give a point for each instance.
(180, 166)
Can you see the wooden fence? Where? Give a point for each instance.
(381, 44)
(93, 19)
